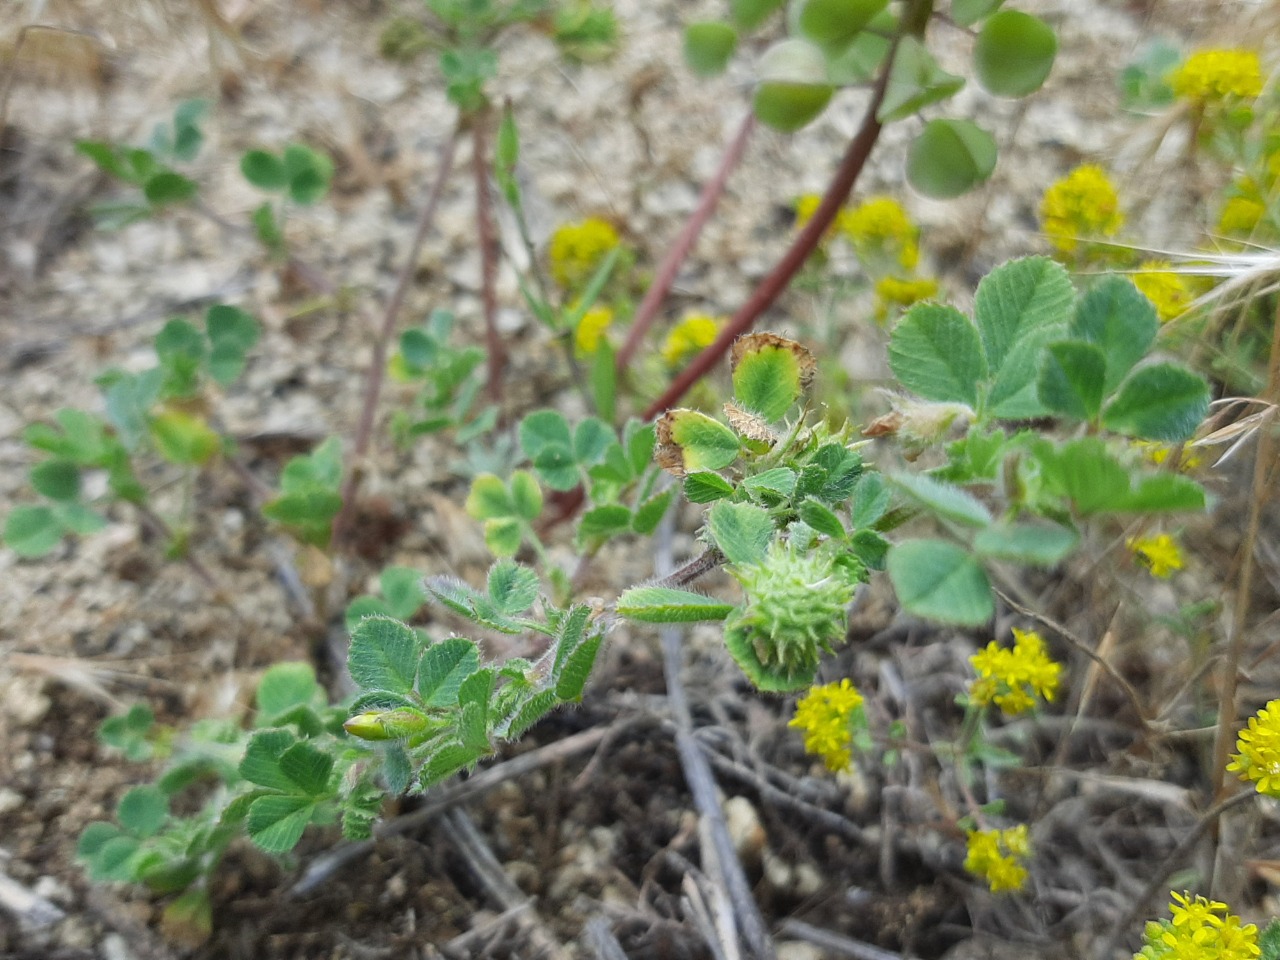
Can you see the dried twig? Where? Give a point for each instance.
(378, 363)
(598, 937)
(1259, 495)
(325, 866)
(471, 844)
(697, 772)
(836, 944)
(1160, 876)
(1125, 686)
(824, 819)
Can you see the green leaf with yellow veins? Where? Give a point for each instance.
(690, 441)
(770, 373)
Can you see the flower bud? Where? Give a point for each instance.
(387, 724)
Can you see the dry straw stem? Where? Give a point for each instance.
(1259, 496)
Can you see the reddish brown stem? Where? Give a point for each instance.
(378, 364)
(647, 312)
(488, 255)
(802, 247)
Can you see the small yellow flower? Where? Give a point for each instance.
(690, 336)
(879, 228)
(1012, 678)
(1199, 929)
(1215, 75)
(591, 330)
(902, 292)
(1167, 291)
(995, 855)
(577, 249)
(827, 715)
(1158, 453)
(806, 207)
(1259, 745)
(1240, 216)
(1082, 205)
(1159, 554)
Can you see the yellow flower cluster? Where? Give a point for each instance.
(1159, 554)
(1012, 678)
(1209, 76)
(902, 292)
(591, 330)
(1166, 290)
(1199, 929)
(1240, 216)
(689, 337)
(879, 228)
(1158, 453)
(1082, 205)
(996, 856)
(827, 715)
(1259, 745)
(577, 249)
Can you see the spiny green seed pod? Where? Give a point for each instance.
(795, 610)
(387, 724)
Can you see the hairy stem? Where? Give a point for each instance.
(647, 312)
(802, 247)
(377, 365)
